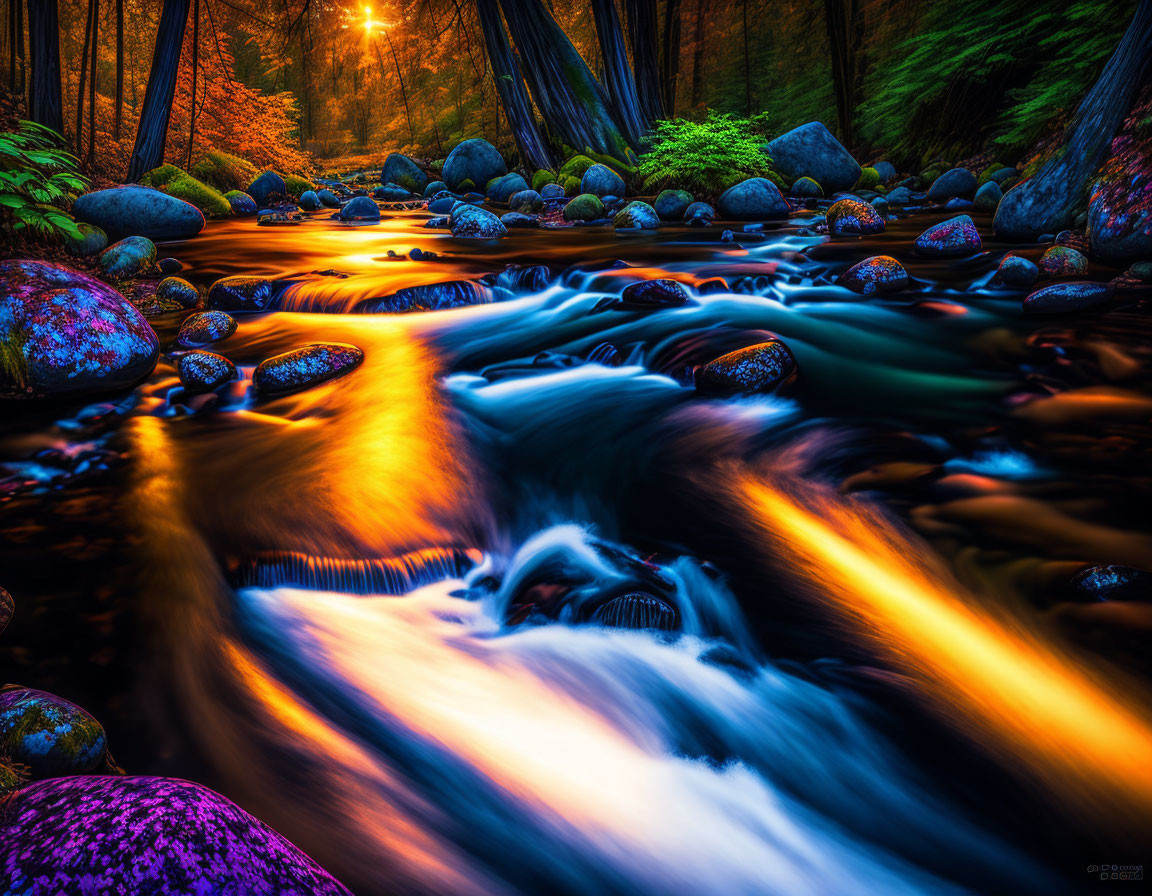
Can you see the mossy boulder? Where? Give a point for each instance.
(130, 257)
(806, 188)
(869, 179)
(670, 205)
(243, 205)
(575, 167)
(585, 207)
(637, 215)
(179, 183)
(570, 184)
(475, 160)
(224, 171)
(542, 177)
(134, 210)
(92, 241)
(296, 185)
(401, 170)
(50, 735)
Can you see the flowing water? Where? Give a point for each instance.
(385, 614)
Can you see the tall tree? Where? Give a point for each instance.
(45, 106)
(618, 73)
(152, 133)
(118, 121)
(574, 105)
(195, 76)
(79, 142)
(641, 15)
(698, 39)
(845, 34)
(92, 82)
(670, 55)
(1047, 202)
(15, 45)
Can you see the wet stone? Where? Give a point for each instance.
(205, 328)
(177, 290)
(241, 294)
(305, 367)
(948, 239)
(1063, 297)
(851, 217)
(50, 735)
(661, 293)
(1062, 261)
(755, 369)
(878, 274)
(204, 371)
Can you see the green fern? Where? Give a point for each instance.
(704, 156)
(38, 179)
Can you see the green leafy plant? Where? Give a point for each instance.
(38, 179)
(704, 156)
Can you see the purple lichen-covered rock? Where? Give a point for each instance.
(63, 332)
(204, 371)
(50, 735)
(1061, 261)
(1060, 297)
(305, 367)
(1016, 270)
(956, 236)
(160, 836)
(757, 368)
(851, 217)
(132, 210)
(241, 294)
(205, 328)
(878, 274)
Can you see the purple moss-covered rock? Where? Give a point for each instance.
(954, 237)
(205, 328)
(132, 210)
(1061, 261)
(1060, 297)
(241, 294)
(130, 257)
(851, 217)
(751, 370)
(63, 332)
(1016, 270)
(7, 608)
(50, 735)
(204, 371)
(303, 368)
(160, 836)
(660, 293)
(878, 274)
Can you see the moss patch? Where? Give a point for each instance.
(182, 185)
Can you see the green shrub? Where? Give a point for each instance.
(183, 185)
(37, 177)
(224, 171)
(869, 179)
(704, 156)
(541, 179)
(296, 185)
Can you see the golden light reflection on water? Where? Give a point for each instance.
(1052, 714)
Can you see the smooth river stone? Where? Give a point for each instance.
(1061, 297)
(205, 328)
(851, 217)
(204, 371)
(878, 274)
(757, 368)
(948, 239)
(305, 367)
(50, 735)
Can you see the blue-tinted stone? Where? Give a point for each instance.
(954, 237)
(205, 328)
(50, 735)
(204, 371)
(305, 367)
(757, 368)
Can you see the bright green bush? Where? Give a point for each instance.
(704, 156)
(37, 178)
(224, 171)
(296, 185)
(183, 185)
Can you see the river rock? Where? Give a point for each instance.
(310, 201)
(585, 207)
(988, 197)
(242, 205)
(160, 836)
(886, 171)
(130, 257)
(699, 214)
(204, 371)
(470, 222)
(504, 187)
(600, 180)
(433, 188)
(443, 205)
(755, 369)
(63, 332)
(169, 266)
(205, 328)
(241, 293)
(1120, 219)
(359, 210)
(851, 217)
(305, 367)
(402, 171)
(811, 151)
(954, 237)
(92, 241)
(959, 182)
(670, 205)
(430, 297)
(476, 160)
(328, 199)
(1016, 270)
(900, 196)
(1112, 582)
(1063, 262)
(660, 293)
(637, 215)
(1061, 297)
(267, 189)
(177, 290)
(527, 201)
(552, 191)
(519, 219)
(878, 274)
(132, 210)
(806, 188)
(754, 199)
(50, 735)
(7, 609)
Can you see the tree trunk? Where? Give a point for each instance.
(1047, 202)
(698, 50)
(747, 68)
(670, 50)
(641, 16)
(574, 105)
(152, 133)
(195, 75)
(842, 20)
(92, 82)
(79, 138)
(621, 83)
(403, 88)
(45, 106)
(118, 122)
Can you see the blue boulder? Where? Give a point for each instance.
(954, 237)
(753, 199)
(402, 171)
(958, 182)
(475, 223)
(505, 186)
(360, 210)
(132, 210)
(268, 188)
(670, 205)
(130, 257)
(811, 151)
(600, 180)
(475, 160)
